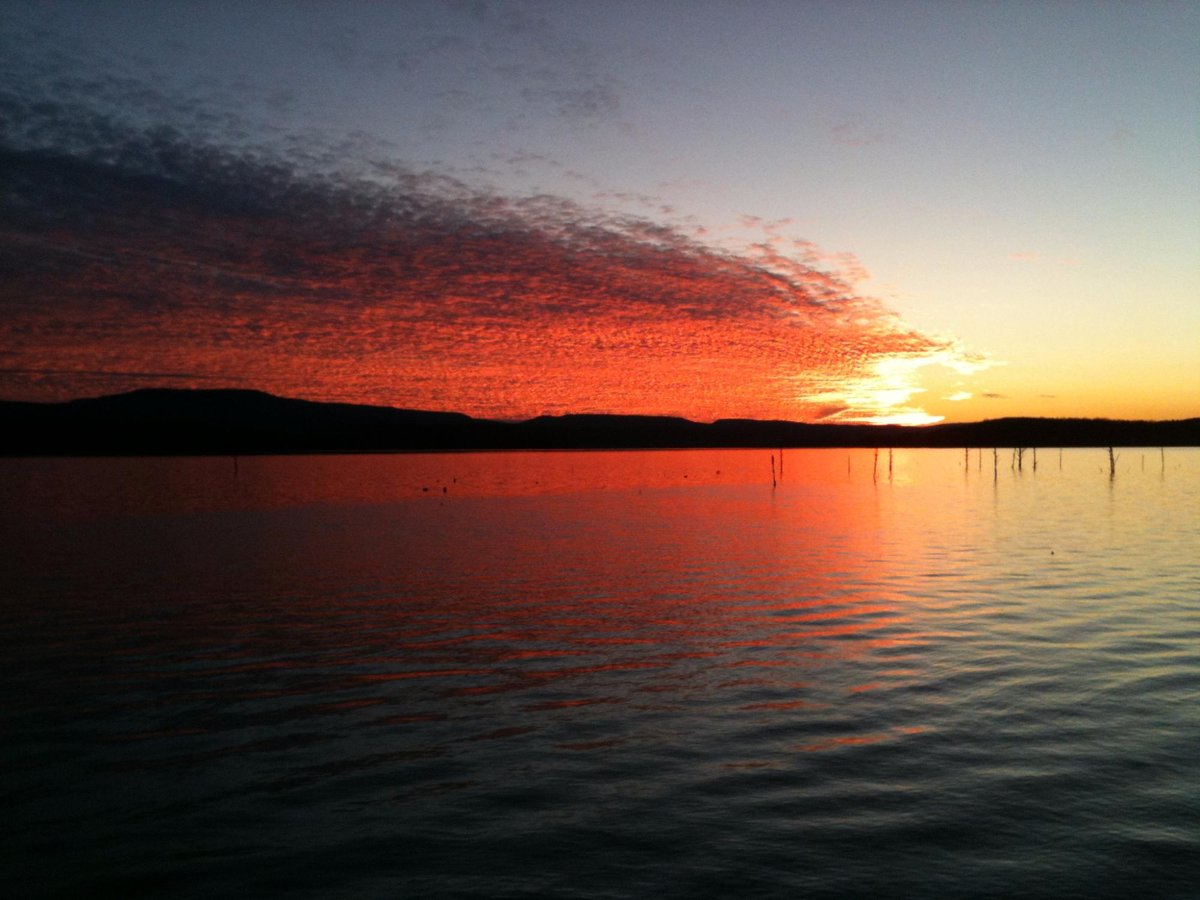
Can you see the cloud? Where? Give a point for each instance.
(987, 395)
(85, 382)
(324, 271)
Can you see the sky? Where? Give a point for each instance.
(841, 212)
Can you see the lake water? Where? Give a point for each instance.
(643, 674)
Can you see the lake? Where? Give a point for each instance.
(600, 675)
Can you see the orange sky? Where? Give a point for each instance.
(427, 297)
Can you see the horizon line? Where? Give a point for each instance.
(898, 426)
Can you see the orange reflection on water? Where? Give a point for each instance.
(569, 582)
(678, 568)
(858, 739)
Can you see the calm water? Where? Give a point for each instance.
(602, 675)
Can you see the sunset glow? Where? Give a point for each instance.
(420, 293)
(483, 210)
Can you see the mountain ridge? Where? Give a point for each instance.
(175, 421)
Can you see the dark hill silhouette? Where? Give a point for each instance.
(169, 421)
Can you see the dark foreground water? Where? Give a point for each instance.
(602, 675)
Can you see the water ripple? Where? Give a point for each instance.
(942, 686)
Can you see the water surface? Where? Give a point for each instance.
(603, 674)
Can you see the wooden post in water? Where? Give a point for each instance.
(875, 466)
(1035, 459)
(1162, 455)
(995, 463)
(1112, 465)
(772, 470)
(889, 463)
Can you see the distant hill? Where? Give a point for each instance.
(167, 421)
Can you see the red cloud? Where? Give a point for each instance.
(419, 293)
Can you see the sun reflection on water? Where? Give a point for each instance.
(628, 645)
